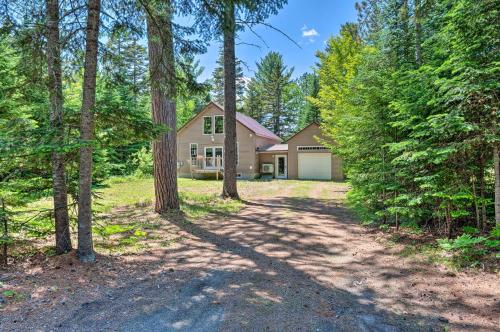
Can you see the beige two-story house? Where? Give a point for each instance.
(200, 146)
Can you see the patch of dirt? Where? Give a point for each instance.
(282, 264)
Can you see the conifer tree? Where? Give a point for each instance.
(85, 241)
(163, 103)
(61, 216)
(273, 77)
(217, 81)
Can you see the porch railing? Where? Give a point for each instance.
(202, 164)
(207, 163)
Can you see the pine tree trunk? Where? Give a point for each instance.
(482, 185)
(5, 235)
(60, 194)
(476, 205)
(229, 189)
(405, 27)
(448, 220)
(496, 161)
(418, 32)
(85, 243)
(163, 92)
(277, 112)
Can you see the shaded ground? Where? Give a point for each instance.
(294, 262)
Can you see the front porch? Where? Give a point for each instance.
(206, 165)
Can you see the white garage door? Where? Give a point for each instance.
(315, 166)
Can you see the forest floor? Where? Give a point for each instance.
(289, 258)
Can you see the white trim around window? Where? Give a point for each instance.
(215, 124)
(211, 125)
(193, 158)
(312, 148)
(213, 149)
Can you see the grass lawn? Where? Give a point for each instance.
(125, 221)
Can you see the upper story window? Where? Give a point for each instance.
(219, 124)
(207, 125)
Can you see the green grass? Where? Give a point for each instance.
(197, 197)
(125, 221)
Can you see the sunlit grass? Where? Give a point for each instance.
(125, 221)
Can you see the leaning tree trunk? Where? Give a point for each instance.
(163, 92)
(85, 243)
(229, 189)
(61, 217)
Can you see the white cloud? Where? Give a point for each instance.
(310, 34)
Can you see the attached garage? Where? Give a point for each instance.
(309, 158)
(314, 166)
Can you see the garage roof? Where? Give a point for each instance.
(273, 148)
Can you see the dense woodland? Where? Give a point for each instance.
(91, 90)
(410, 95)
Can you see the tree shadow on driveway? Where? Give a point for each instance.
(281, 264)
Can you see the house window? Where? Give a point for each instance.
(193, 152)
(207, 125)
(219, 124)
(214, 156)
(312, 148)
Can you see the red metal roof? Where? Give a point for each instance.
(256, 127)
(245, 120)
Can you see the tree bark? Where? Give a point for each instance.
(85, 242)
(163, 106)
(482, 193)
(60, 194)
(448, 220)
(496, 161)
(3, 218)
(418, 32)
(476, 205)
(229, 189)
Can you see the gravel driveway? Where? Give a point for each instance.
(289, 263)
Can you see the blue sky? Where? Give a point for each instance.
(309, 22)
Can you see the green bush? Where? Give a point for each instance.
(411, 227)
(495, 233)
(468, 250)
(143, 160)
(384, 227)
(470, 230)
(463, 242)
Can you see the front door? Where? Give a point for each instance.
(280, 171)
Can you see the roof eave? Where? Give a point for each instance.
(273, 151)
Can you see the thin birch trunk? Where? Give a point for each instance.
(163, 92)
(85, 242)
(60, 193)
(229, 187)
